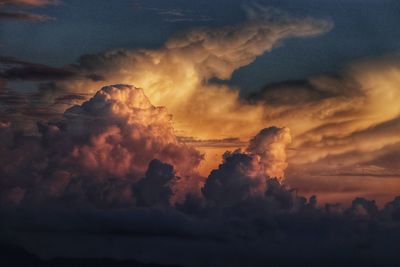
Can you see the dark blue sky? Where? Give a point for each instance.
(363, 28)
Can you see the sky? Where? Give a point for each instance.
(242, 130)
(362, 29)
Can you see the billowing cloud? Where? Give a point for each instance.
(155, 189)
(243, 175)
(114, 135)
(342, 126)
(178, 74)
(118, 149)
(270, 145)
(238, 178)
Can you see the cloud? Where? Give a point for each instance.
(339, 124)
(33, 3)
(4, 15)
(270, 145)
(341, 112)
(23, 15)
(14, 69)
(118, 150)
(113, 169)
(253, 231)
(342, 125)
(112, 179)
(244, 175)
(155, 187)
(24, 107)
(181, 69)
(178, 15)
(238, 178)
(114, 135)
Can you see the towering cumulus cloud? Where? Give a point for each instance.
(245, 175)
(121, 133)
(270, 145)
(99, 149)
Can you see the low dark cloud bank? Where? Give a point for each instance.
(111, 180)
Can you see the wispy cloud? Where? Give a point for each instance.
(19, 15)
(16, 14)
(14, 69)
(31, 3)
(178, 15)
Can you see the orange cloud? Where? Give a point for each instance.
(340, 122)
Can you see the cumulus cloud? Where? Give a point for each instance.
(155, 187)
(237, 178)
(270, 145)
(243, 175)
(98, 150)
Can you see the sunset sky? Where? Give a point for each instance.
(190, 113)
